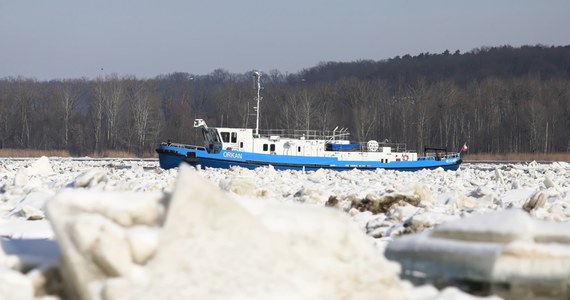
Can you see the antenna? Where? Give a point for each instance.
(257, 78)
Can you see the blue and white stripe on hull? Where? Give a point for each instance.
(215, 163)
(172, 156)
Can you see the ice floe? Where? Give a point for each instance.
(113, 221)
(508, 252)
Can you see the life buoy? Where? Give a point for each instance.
(405, 157)
(372, 146)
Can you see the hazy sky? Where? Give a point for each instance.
(72, 39)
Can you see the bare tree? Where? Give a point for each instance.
(4, 112)
(112, 105)
(363, 98)
(140, 104)
(24, 98)
(325, 94)
(97, 107)
(418, 93)
(68, 93)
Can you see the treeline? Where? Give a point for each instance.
(496, 99)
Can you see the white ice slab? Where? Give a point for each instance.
(507, 247)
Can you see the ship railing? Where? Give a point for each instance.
(439, 153)
(193, 147)
(451, 155)
(394, 147)
(440, 157)
(329, 135)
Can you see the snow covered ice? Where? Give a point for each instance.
(522, 259)
(270, 234)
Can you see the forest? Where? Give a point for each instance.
(495, 99)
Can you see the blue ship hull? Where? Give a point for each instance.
(171, 156)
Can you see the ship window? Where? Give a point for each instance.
(272, 147)
(226, 137)
(241, 144)
(210, 135)
(264, 147)
(299, 149)
(234, 137)
(214, 135)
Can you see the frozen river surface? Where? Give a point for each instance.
(384, 205)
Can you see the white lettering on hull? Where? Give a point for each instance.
(233, 155)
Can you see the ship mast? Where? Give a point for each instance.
(257, 76)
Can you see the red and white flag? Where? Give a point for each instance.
(464, 148)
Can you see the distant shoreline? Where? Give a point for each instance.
(518, 157)
(469, 157)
